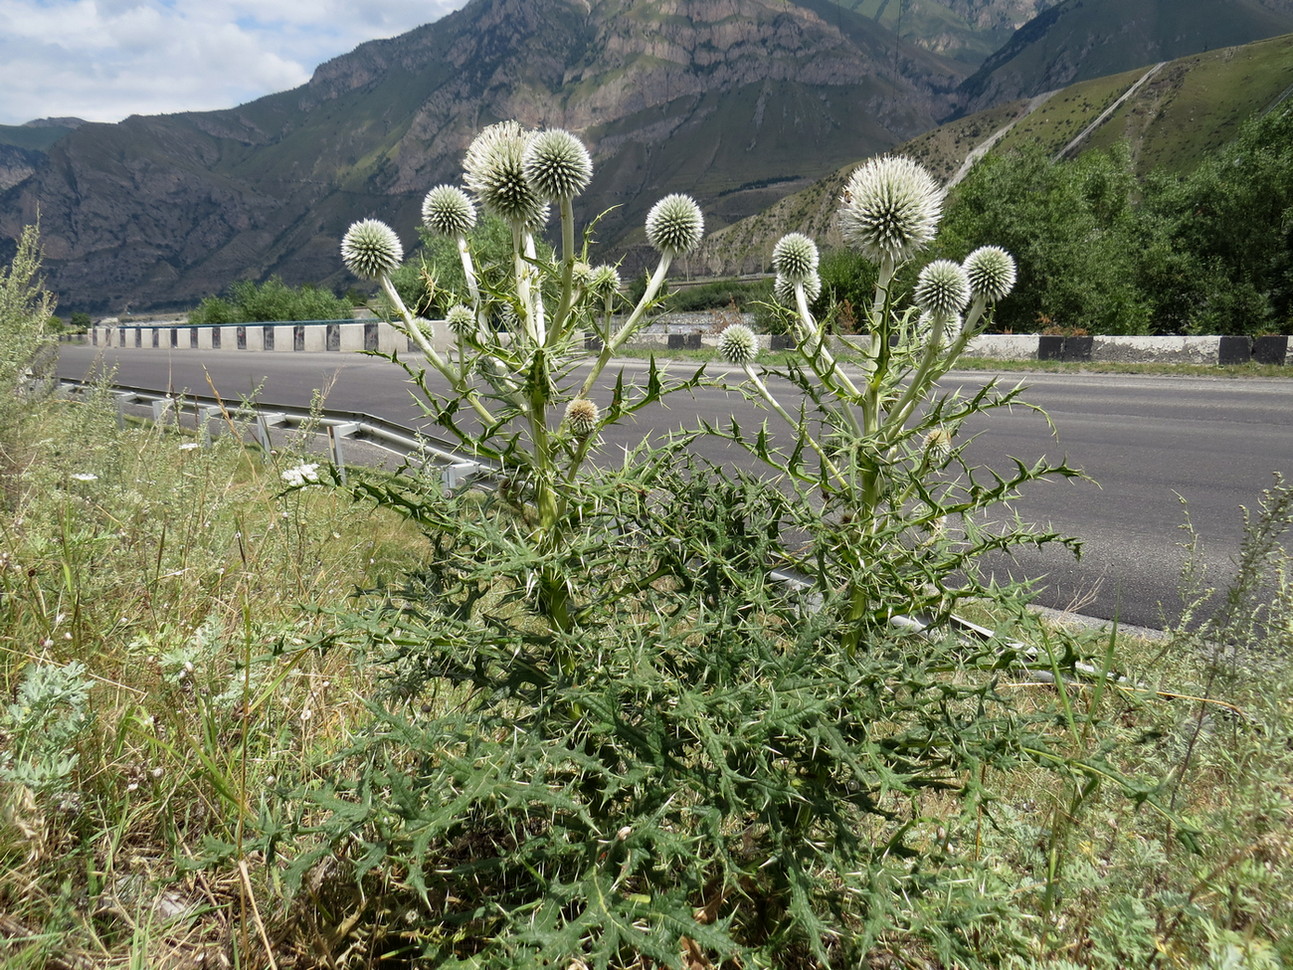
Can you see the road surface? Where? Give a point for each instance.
(1148, 444)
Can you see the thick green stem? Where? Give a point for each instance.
(629, 327)
(827, 465)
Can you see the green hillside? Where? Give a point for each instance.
(1182, 112)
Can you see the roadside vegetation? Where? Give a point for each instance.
(1103, 251)
(560, 716)
(273, 300)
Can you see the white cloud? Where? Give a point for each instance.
(105, 59)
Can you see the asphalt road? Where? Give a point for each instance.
(1148, 443)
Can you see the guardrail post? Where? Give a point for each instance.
(263, 423)
(205, 417)
(336, 432)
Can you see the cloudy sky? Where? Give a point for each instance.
(102, 60)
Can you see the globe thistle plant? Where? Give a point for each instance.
(890, 209)
(448, 211)
(991, 273)
(942, 289)
(795, 257)
(371, 250)
(556, 164)
(605, 281)
(675, 225)
(582, 416)
(495, 172)
(738, 344)
(783, 289)
(460, 319)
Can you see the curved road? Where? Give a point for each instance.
(1149, 443)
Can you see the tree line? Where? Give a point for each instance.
(1103, 251)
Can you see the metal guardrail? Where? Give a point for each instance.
(337, 426)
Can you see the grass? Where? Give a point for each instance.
(180, 608)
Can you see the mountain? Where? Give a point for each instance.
(735, 101)
(963, 30)
(1170, 117)
(1083, 39)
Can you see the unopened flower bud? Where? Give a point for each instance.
(370, 249)
(991, 272)
(942, 289)
(795, 257)
(557, 165)
(738, 344)
(448, 211)
(460, 319)
(582, 416)
(675, 225)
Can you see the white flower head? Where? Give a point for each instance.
(557, 165)
(890, 208)
(448, 211)
(942, 289)
(738, 344)
(783, 289)
(302, 475)
(795, 257)
(582, 416)
(85, 477)
(675, 225)
(495, 172)
(605, 281)
(370, 249)
(460, 319)
(991, 271)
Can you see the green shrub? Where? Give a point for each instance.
(273, 300)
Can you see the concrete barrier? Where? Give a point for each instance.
(378, 335)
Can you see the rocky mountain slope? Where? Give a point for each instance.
(1083, 39)
(1169, 118)
(736, 101)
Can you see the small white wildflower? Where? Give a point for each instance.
(370, 249)
(890, 208)
(302, 475)
(85, 477)
(190, 446)
(738, 344)
(675, 225)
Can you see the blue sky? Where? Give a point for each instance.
(102, 60)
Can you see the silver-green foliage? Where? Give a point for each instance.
(41, 726)
(27, 349)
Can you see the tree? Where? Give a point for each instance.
(1070, 226)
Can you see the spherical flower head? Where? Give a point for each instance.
(783, 289)
(448, 211)
(582, 416)
(991, 271)
(605, 281)
(557, 165)
(370, 249)
(495, 172)
(460, 319)
(890, 208)
(738, 344)
(943, 289)
(675, 224)
(795, 257)
(938, 445)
